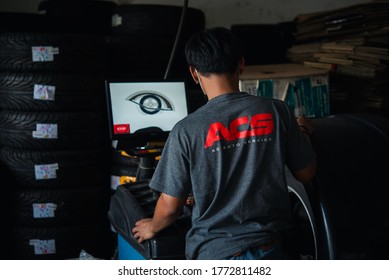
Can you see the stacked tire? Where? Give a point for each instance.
(74, 16)
(13, 22)
(54, 143)
(143, 38)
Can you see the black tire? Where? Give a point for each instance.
(124, 170)
(57, 169)
(155, 19)
(67, 242)
(59, 207)
(271, 51)
(351, 184)
(72, 92)
(140, 55)
(301, 241)
(22, 22)
(6, 207)
(90, 17)
(151, 31)
(64, 53)
(75, 130)
(146, 168)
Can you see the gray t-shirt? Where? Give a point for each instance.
(231, 154)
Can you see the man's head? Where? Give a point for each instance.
(214, 51)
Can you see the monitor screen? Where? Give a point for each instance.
(145, 110)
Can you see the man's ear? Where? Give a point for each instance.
(193, 73)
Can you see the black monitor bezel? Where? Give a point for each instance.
(145, 135)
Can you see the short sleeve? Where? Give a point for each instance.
(172, 174)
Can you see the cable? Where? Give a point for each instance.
(179, 31)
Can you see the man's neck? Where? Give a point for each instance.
(218, 84)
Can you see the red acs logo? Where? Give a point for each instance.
(243, 127)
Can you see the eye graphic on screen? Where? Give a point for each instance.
(150, 102)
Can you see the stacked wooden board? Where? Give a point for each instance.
(352, 43)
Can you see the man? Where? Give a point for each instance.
(231, 155)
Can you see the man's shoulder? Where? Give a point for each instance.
(194, 116)
(187, 123)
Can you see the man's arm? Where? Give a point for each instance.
(306, 175)
(167, 210)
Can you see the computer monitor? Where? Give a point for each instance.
(145, 110)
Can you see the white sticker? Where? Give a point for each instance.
(44, 53)
(43, 247)
(44, 92)
(319, 81)
(249, 86)
(45, 131)
(44, 210)
(46, 171)
(116, 20)
(115, 182)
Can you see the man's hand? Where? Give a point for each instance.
(166, 211)
(143, 230)
(306, 125)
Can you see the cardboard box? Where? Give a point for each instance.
(304, 89)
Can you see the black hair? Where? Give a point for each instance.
(215, 50)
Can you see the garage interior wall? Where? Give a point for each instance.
(222, 12)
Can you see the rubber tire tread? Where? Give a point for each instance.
(69, 241)
(76, 130)
(74, 206)
(73, 92)
(134, 53)
(76, 168)
(77, 52)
